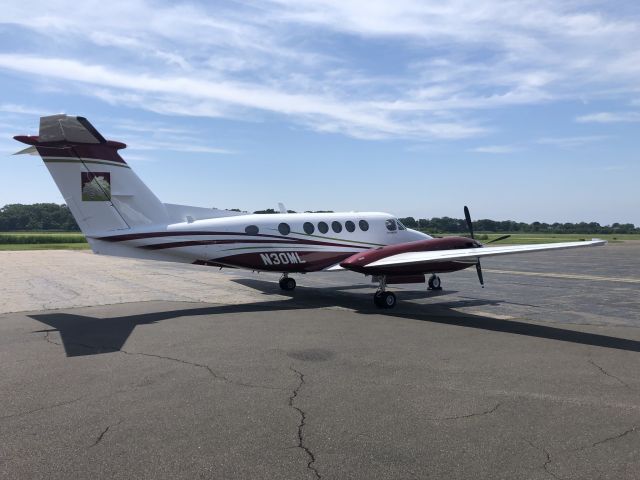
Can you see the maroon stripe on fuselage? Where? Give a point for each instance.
(277, 239)
(196, 243)
(309, 261)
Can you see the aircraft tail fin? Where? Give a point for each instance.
(100, 189)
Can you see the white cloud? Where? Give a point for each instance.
(572, 142)
(609, 117)
(244, 60)
(495, 149)
(197, 96)
(20, 109)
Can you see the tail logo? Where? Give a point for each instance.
(96, 186)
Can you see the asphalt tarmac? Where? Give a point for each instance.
(115, 368)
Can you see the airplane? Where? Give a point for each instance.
(121, 216)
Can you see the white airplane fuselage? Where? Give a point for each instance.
(293, 242)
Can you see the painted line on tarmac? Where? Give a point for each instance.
(594, 278)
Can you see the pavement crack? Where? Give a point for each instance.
(303, 420)
(110, 349)
(47, 407)
(211, 372)
(478, 414)
(604, 372)
(547, 461)
(615, 437)
(103, 433)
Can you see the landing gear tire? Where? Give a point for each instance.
(384, 299)
(287, 284)
(377, 299)
(434, 283)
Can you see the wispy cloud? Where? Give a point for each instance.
(20, 109)
(572, 142)
(198, 96)
(451, 61)
(609, 117)
(496, 149)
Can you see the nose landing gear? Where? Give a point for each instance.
(287, 283)
(382, 298)
(434, 283)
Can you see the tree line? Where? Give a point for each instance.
(54, 217)
(457, 225)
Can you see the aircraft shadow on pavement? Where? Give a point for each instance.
(85, 335)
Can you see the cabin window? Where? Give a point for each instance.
(350, 226)
(336, 226)
(284, 229)
(323, 227)
(391, 225)
(308, 228)
(251, 230)
(364, 225)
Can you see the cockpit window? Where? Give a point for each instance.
(400, 225)
(391, 225)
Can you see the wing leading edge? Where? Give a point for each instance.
(412, 258)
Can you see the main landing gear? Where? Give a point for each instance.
(434, 283)
(287, 283)
(382, 298)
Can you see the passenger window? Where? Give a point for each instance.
(336, 226)
(400, 225)
(284, 229)
(251, 230)
(350, 226)
(391, 225)
(364, 225)
(323, 227)
(308, 228)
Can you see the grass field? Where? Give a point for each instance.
(42, 241)
(76, 241)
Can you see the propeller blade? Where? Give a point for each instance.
(499, 238)
(467, 217)
(479, 271)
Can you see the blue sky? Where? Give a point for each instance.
(524, 110)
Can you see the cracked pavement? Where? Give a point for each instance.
(177, 372)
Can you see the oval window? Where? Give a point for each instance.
(391, 225)
(308, 228)
(323, 227)
(364, 225)
(251, 230)
(284, 229)
(350, 226)
(336, 226)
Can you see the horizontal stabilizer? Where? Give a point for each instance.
(28, 151)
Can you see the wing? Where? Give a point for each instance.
(412, 258)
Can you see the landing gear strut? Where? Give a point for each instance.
(434, 283)
(382, 298)
(287, 283)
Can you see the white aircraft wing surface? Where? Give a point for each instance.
(411, 258)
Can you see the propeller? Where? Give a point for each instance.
(499, 238)
(467, 217)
